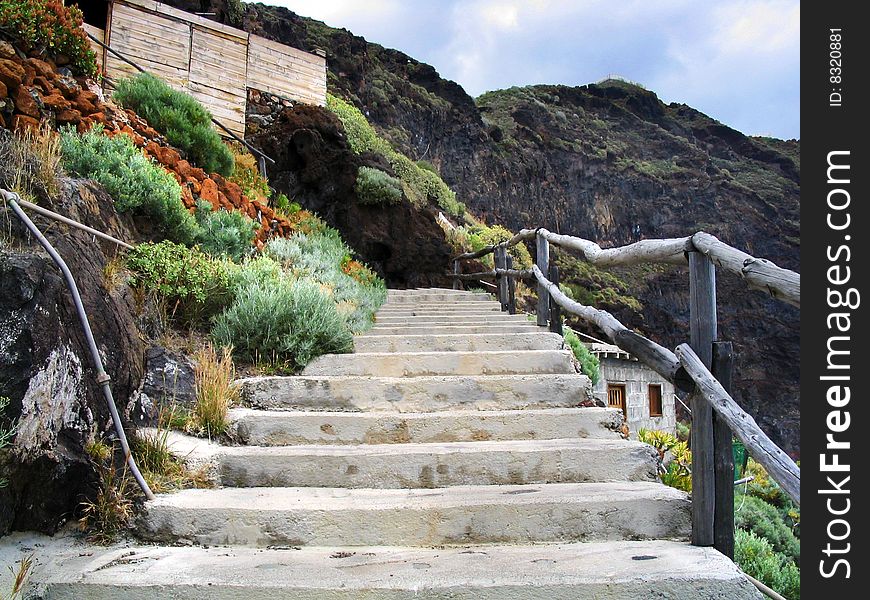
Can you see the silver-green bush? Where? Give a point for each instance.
(286, 322)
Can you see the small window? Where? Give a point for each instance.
(655, 400)
(616, 397)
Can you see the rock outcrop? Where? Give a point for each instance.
(45, 367)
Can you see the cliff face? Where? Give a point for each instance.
(609, 162)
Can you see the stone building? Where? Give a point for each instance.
(645, 397)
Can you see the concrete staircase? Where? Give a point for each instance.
(448, 457)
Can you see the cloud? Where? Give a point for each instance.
(736, 60)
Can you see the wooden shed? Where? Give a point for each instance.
(214, 63)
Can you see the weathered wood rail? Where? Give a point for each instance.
(703, 367)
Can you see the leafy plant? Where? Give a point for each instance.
(420, 185)
(192, 285)
(224, 233)
(678, 473)
(216, 390)
(286, 322)
(757, 558)
(182, 119)
(51, 27)
(136, 183)
(283, 205)
(589, 363)
(375, 187)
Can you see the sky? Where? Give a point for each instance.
(735, 60)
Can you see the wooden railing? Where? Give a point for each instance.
(703, 367)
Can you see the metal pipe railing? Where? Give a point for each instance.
(12, 199)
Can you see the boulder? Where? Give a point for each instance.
(168, 381)
(45, 367)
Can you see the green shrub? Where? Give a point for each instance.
(223, 233)
(757, 558)
(135, 182)
(373, 186)
(192, 285)
(284, 206)
(420, 185)
(259, 269)
(755, 515)
(49, 25)
(287, 323)
(589, 363)
(184, 121)
(324, 256)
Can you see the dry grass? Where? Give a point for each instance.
(164, 471)
(31, 162)
(19, 578)
(216, 389)
(110, 512)
(115, 273)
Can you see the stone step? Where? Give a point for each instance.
(430, 290)
(437, 465)
(450, 309)
(416, 394)
(593, 571)
(446, 319)
(437, 297)
(279, 428)
(458, 342)
(464, 329)
(417, 364)
(489, 514)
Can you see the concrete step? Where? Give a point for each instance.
(593, 571)
(437, 465)
(279, 428)
(437, 297)
(416, 394)
(412, 309)
(464, 329)
(417, 364)
(445, 319)
(429, 290)
(458, 342)
(639, 570)
(447, 516)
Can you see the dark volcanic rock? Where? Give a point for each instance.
(316, 167)
(168, 381)
(45, 368)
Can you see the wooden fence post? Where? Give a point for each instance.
(542, 259)
(512, 287)
(500, 261)
(723, 456)
(555, 309)
(703, 331)
(457, 269)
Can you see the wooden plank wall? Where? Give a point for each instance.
(211, 61)
(286, 71)
(218, 71)
(100, 34)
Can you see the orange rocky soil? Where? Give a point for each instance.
(32, 92)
